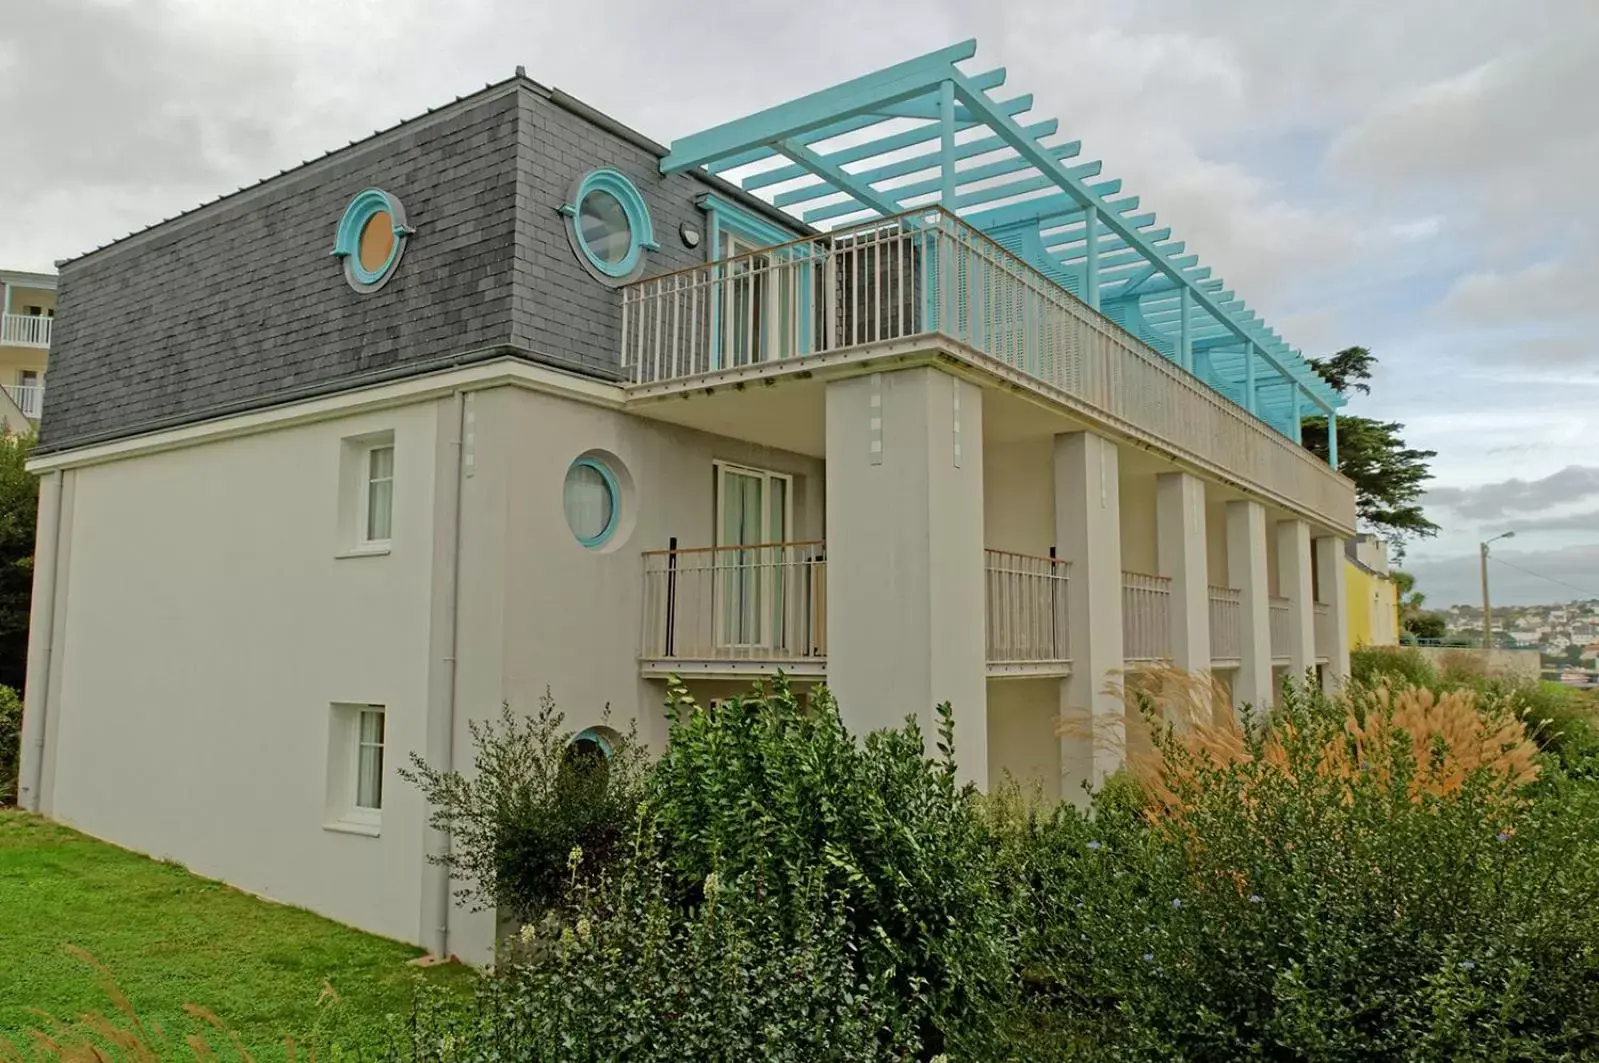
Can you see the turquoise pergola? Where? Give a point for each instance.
(925, 133)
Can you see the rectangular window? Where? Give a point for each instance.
(369, 761)
(379, 494)
(356, 738)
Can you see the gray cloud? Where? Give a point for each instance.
(1578, 522)
(1342, 166)
(1523, 578)
(1488, 501)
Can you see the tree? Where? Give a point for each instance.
(1389, 476)
(19, 513)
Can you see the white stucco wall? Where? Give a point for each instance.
(539, 610)
(1024, 734)
(1019, 495)
(1140, 540)
(207, 626)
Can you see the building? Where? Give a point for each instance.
(1372, 594)
(27, 312)
(510, 397)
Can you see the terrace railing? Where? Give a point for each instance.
(929, 273)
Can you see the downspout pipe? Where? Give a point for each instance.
(41, 644)
(445, 645)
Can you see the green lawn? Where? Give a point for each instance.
(170, 938)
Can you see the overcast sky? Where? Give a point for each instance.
(1417, 176)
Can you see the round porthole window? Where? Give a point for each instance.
(603, 225)
(371, 238)
(592, 501)
(609, 226)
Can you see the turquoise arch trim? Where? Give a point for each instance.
(598, 737)
(641, 230)
(347, 241)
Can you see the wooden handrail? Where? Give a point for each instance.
(680, 551)
(1029, 557)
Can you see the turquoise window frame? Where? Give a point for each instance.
(612, 487)
(723, 217)
(347, 241)
(641, 230)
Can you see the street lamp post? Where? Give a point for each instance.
(1487, 612)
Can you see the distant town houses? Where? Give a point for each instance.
(1570, 630)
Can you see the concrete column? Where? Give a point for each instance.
(1088, 534)
(1294, 583)
(905, 601)
(1329, 560)
(1180, 544)
(1246, 571)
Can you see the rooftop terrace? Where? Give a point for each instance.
(926, 133)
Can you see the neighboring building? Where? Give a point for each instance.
(27, 312)
(1373, 596)
(566, 408)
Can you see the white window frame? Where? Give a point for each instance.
(345, 748)
(768, 571)
(368, 484)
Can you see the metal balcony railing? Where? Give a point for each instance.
(1026, 605)
(927, 273)
(762, 602)
(1280, 627)
(1146, 617)
(1326, 633)
(1226, 640)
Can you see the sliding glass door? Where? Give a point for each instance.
(753, 526)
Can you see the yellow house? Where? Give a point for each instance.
(27, 313)
(1373, 596)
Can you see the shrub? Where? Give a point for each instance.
(743, 975)
(765, 790)
(10, 744)
(1372, 664)
(532, 799)
(1358, 880)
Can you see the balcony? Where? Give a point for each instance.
(1226, 638)
(25, 330)
(29, 398)
(1326, 632)
(927, 282)
(1026, 599)
(1281, 628)
(740, 610)
(1146, 617)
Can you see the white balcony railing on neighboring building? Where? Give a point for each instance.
(764, 602)
(1280, 627)
(1026, 601)
(928, 273)
(25, 330)
(28, 397)
(1326, 633)
(1226, 640)
(1146, 617)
